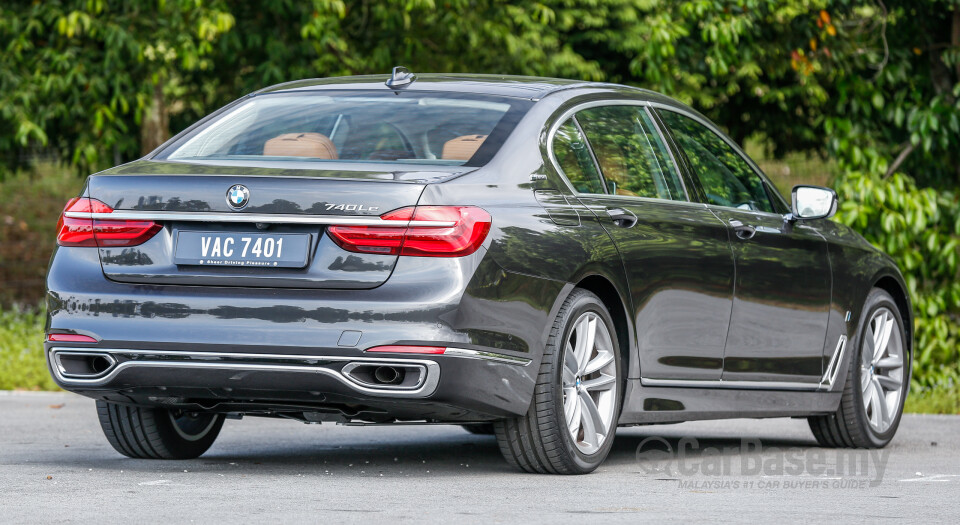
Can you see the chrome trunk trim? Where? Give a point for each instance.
(162, 216)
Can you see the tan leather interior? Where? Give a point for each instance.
(314, 145)
(462, 148)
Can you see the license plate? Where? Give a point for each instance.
(286, 250)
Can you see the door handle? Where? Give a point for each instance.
(743, 231)
(621, 217)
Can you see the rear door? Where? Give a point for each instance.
(783, 283)
(676, 253)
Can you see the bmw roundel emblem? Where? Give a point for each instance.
(238, 196)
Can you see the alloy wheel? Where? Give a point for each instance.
(881, 370)
(589, 383)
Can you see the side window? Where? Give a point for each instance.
(727, 179)
(575, 160)
(633, 159)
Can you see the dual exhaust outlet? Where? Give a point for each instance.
(368, 375)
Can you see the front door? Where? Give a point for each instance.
(783, 277)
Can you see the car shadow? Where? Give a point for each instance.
(414, 454)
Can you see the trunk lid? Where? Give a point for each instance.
(284, 205)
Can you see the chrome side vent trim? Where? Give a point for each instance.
(833, 368)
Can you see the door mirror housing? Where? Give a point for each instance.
(813, 202)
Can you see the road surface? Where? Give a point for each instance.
(56, 466)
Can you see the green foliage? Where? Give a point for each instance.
(920, 229)
(32, 201)
(874, 86)
(22, 364)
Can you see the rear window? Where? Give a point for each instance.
(394, 127)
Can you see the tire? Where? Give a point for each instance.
(156, 433)
(854, 424)
(481, 429)
(541, 440)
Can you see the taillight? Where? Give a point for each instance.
(468, 227)
(70, 338)
(86, 231)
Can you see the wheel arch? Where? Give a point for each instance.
(616, 306)
(896, 288)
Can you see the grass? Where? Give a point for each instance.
(22, 363)
(943, 400)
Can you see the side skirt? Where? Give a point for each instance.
(661, 404)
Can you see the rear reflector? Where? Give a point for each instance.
(70, 338)
(73, 231)
(466, 234)
(400, 349)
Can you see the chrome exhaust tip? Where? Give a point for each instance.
(386, 376)
(83, 364)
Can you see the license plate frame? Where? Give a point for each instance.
(242, 249)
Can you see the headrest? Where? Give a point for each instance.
(462, 148)
(314, 145)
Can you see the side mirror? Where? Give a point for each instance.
(813, 202)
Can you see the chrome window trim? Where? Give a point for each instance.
(566, 115)
(161, 216)
(758, 213)
(736, 148)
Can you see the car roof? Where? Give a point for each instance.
(532, 88)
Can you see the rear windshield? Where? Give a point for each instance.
(452, 129)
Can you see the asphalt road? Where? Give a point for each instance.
(55, 466)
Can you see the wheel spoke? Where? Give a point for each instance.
(586, 333)
(881, 401)
(869, 343)
(885, 329)
(570, 367)
(604, 382)
(867, 393)
(887, 382)
(602, 359)
(889, 362)
(875, 401)
(864, 381)
(570, 402)
(576, 409)
(593, 427)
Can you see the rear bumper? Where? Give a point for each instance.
(465, 385)
(234, 349)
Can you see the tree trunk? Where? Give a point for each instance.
(155, 126)
(955, 37)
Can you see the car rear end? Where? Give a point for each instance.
(279, 258)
